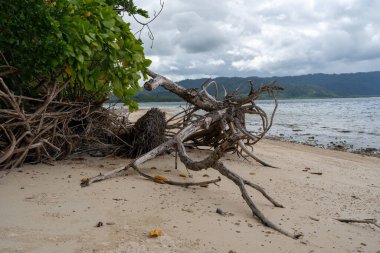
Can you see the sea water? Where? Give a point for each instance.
(350, 122)
(353, 123)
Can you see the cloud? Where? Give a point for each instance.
(245, 38)
(216, 62)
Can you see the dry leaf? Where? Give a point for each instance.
(205, 175)
(68, 70)
(182, 175)
(204, 185)
(252, 173)
(160, 179)
(84, 181)
(155, 233)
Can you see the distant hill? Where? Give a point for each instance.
(303, 86)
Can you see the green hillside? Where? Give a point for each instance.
(304, 86)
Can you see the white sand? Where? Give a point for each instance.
(43, 208)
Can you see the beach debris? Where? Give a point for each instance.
(182, 175)
(119, 199)
(219, 211)
(84, 181)
(205, 175)
(314, 219)
(366, 221)
(110, 223)
(155, 233)
(160, 179)
(316, 173)
(99, 224)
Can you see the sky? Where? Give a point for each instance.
(209, 38)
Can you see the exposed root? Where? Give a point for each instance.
(250, 154)
(146, 134)
(34, 130)
(240, 182)
(171, 182)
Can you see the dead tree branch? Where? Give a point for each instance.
(216, 124)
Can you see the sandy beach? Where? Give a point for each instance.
(44, 209)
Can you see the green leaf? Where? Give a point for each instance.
(147, 62)
(80, 77)
(109, 23)
(85, 49)
(114, 45)
(80, 58)
(88, 85)
(87, 38)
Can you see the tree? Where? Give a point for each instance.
(59, 61)
(83, 42)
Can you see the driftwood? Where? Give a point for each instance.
(217, 124)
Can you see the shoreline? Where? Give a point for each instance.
(341, 146)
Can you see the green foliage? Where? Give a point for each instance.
(84, 42)
(29, 38)
(129, 7)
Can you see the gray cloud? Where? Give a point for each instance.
(242, 38)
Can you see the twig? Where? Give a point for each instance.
(366, 221)
(314, 219)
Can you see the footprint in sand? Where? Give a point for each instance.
(43, 198)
